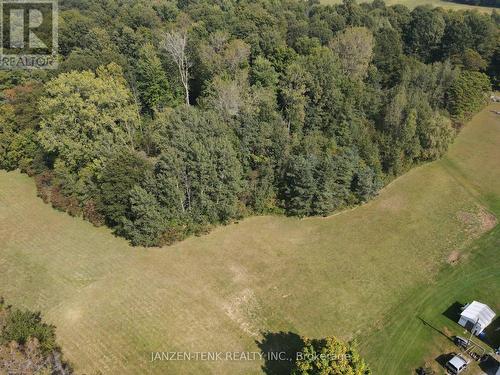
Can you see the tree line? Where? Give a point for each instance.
(166, 118)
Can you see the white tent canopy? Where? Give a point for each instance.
(476, 316)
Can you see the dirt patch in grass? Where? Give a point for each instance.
(454, 257)
(487, 219)
(477, 222)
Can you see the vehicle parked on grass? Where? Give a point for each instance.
(456, 365)
(460, 341)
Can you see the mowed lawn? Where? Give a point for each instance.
(350, 275)
(414, 332)
(415, 3)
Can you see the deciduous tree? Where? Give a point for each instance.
(354, 46)
(175, 43)
(329, 356)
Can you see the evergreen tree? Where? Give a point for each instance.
(120, 174)
(468, 94)
(152, 84)
(300, 185)
(145, 222)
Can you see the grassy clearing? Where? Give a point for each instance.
(404, 339)
(416, 332)
(434, 3)
(346, 275)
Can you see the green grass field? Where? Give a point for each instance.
(434, 3)
(367, 273)
(404, 341)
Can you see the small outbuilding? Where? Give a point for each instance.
(475, 317)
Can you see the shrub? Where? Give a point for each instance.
(92, 214)
(20, 325)
(43, 183)
(64, 203)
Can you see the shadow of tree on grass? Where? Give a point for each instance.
(279, 350)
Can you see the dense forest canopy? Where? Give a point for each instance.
(167, 117)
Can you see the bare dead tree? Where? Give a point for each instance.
(175, 43)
